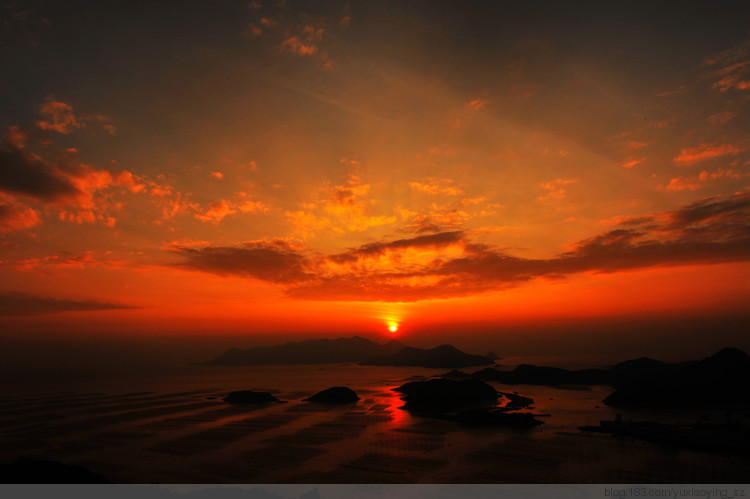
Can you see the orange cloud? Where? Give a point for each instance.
(704, 152)
(78, 192)
(62, 183)
(268, 23)
(722, 117)
(296, 46)
(448, 264)
(175, 204)
(217, 175)
(127, 179)
(15, 217)
(304, 43)
(555, 189)
(698, 181)
(344, 208)
(436, 186)
(473, 201)
(16, 138)
(218, 211)
(729, 68)
(313, 33)
(631, 162)
(306, 224)
(478, 104)
(58, 117)
(247, 205)
(253, 30)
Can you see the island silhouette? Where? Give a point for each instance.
(355, 350)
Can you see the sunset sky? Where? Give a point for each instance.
(267, 166)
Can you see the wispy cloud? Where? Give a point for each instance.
(300, 35)
(297, 46)
(437, 186)
(478, 104)
(704, 152)
(555, 189)
(244, 203)
(631, 162)
(58, 116)
(341, 207)
(730, 68)
(722, 117)
(695, 182)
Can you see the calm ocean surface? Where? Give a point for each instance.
(171, 426)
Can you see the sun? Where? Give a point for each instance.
(392, 327)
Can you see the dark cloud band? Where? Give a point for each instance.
(22, 304)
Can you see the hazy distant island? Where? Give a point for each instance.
(355, 350)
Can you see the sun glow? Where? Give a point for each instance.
(392, 327)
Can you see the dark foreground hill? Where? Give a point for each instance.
(27, 470)
(718, 381)
(354, 349)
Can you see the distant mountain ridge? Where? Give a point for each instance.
(441, 356)
(355, 349)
